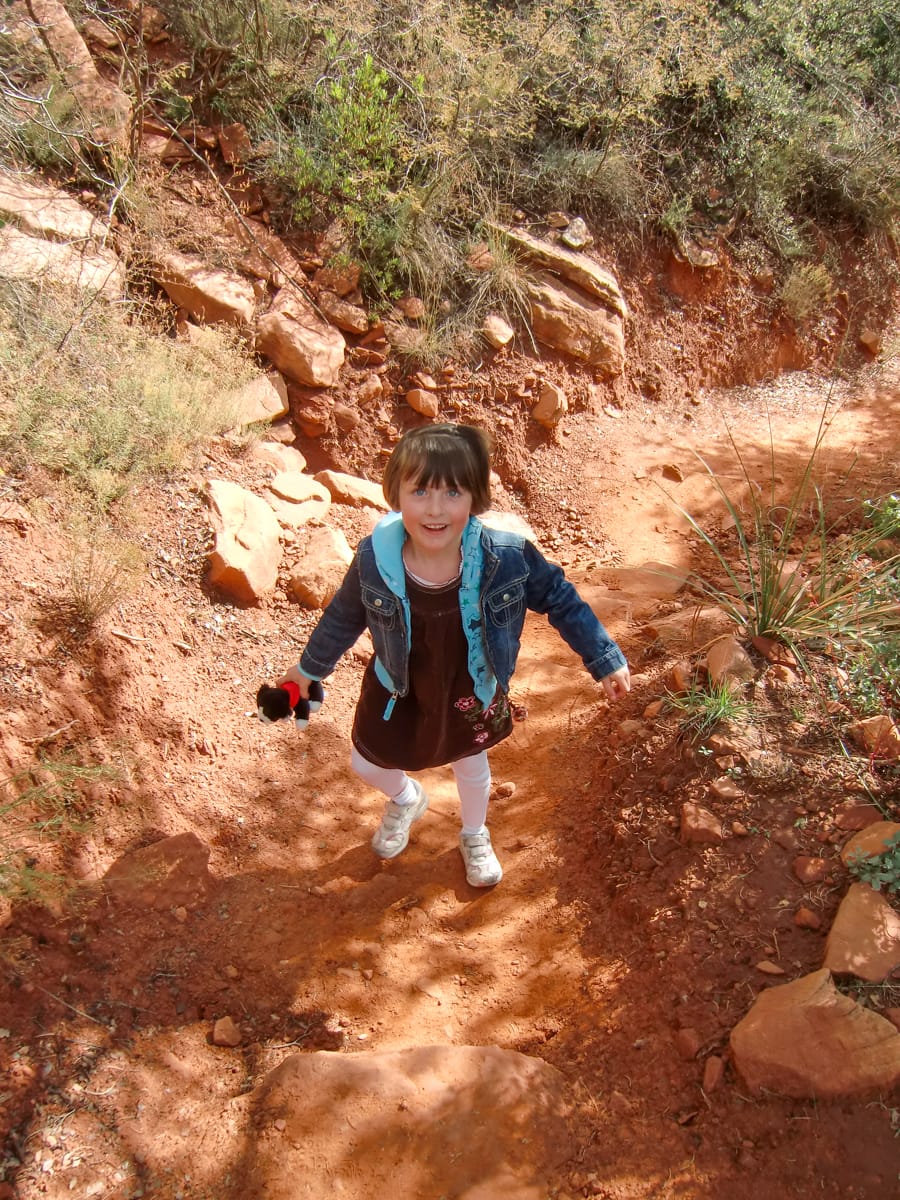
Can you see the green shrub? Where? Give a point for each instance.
(807, 290)
(342, 157)
(879, 871)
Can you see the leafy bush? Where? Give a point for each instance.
(879, 870)
(343, 155)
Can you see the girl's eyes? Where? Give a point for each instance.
(451, 491)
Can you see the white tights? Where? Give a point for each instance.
(473, 782)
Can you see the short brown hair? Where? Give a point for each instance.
(448, 455)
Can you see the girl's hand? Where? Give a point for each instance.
(617, 685)
(295, 675)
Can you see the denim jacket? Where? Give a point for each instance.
(512, 576)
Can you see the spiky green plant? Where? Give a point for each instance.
(705, 704)
(799, 577)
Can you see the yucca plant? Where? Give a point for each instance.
(799, 578)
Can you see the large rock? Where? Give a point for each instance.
(106, 108)
(324, 556)
(262, 399)
(806, 1039)
(865, 936)
(299, 343)
(296, 498)
(71, 265)
(569, 320)
(208, 294)
(165, 874)
(46, 212)
(247, 553)
(346, 316)
(577, 268)
(352, 490)
(471, 1122)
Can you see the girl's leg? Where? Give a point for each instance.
(473, 781)
(395, 784)
(406, 803)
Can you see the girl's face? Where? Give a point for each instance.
(434, 517)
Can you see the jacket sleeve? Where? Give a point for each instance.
(551, 593)
(340, 625)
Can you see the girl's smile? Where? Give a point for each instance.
(434, 518)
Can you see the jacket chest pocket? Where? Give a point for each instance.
(382, 612)
(506, 605)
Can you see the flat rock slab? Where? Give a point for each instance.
(471, 1122)
(806, 1039)
(865, 936)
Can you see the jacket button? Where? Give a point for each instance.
(378, 604)
(506, 595)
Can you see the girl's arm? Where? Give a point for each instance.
(338, 628)
(551, 593)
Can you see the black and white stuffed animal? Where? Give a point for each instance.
(277, 703)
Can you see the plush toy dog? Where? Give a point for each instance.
(276, 703)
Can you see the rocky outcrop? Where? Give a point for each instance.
(52, 237)
(806, 1039)
(299, 342)
(210, 296)
(419, 1107)
(35, 260)
(579, 269)
(576, 305)
(865, 936)
(569, 320)
(246, 555)
(46, 212)
(106, 109)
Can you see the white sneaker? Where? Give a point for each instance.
(392, 834)
(482, 866)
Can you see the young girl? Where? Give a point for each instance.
(444, 598)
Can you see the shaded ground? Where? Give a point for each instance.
(606, 939)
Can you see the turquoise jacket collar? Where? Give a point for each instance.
(388, 537)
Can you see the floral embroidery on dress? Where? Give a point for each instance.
(483, 720)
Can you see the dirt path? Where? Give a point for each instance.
(596, 951)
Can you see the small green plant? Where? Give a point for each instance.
(104, 570)
(807, 290)
(704, 705)
(879, 871)
(39, 805)
(884, 514)
(343, 157)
